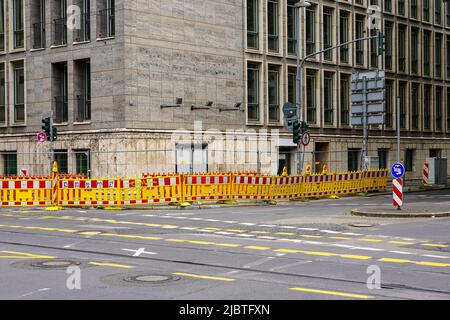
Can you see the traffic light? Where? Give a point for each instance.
(380, 43)
(54, 134)
(305, 126)
(46, 126)
(296, 131)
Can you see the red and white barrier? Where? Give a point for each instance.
(397, 192)
(426, 174)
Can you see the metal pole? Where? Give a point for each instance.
(365, 123)
(298, 90)
(398, 128)
(52, 144)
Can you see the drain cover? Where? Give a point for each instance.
(361, 225)
(49, 264)
(140, 279)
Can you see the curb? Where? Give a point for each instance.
(359, 212)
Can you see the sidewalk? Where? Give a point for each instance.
(416, 210)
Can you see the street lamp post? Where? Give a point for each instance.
(298, 99)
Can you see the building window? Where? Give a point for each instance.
(427, 107)
(388, 5)
(60, 24)
(274, 93)
(447, 51)
(310, 30)
(426, 52)
(272, 25)
(2, 94)
(344, 36)
(38, 26)
(83, 161)
(383, 158)
(438, 12)
(328, 33)
(328, 94)
(403, 98)
(253, 91)
(360, 44)
(292, 85)
(18, 24)
(292, 27)
(311, 100)
(60, 92)
(401, 7)
(414, 50)
(360, 2)
(19, 91)
(107, 20)
(409, 160)
(2, 25)
(414, 9)
(61, 159)
(426, 10)
(373, 49)
(10, 163)
(388, 46)
(353, 159)
(252, 24)
(415, 106)
(438, 109)
(447, 14)
(83, 90)
(84, 32)
(401, 48)
(388, 104)
(345, 99)
(448, 109)
(438, 55)
(435, 153)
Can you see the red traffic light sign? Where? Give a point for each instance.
(306, 138)
(41, 137)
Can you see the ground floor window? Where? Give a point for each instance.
(284, 160)
(353, 159)
(62, 159)
(83, 161)
(10, 163)
(409, 160)
(383, 155)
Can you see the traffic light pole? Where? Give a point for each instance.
(52, 143)
(299, 87)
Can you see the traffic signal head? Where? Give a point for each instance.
(380, 43)
(305, 126)
(54, 134)
(296, 131)
(46, 124)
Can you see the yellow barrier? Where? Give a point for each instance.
(207, 187)
(290, 187)
(162, 189)
(26, 192)
(88, 192)
(246, 187)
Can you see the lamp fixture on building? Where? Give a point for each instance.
(207, 107)
(178, 103)
(237, 107)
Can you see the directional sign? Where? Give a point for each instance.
(371, 108)
(369, 75)
(398, 170)
(371, 96)
(306, 138)
(41, 137)
(371, 120)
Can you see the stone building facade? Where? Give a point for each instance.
(198, 85)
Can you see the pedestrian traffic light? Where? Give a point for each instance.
(305, 126)
(380, 43)
(54, 134)
(296, 131)
(46, 126)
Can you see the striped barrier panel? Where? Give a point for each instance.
(287, 187)
(150, 190)
(251, 187)
(347, 183)
(318, 185)
(426, 174)
(373, 179)
(206, 187)
(88, 192)
(26, 192)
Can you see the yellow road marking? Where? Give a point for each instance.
(433, 264)
(287, 250)
(400, 242)
(333, 293)
(200, 242)
(435, 245)
(203, 277)
(285, 233)
(115, 265)
(369, 240)
(340, 238)
(260, 232)
(175, 240)
(394, 260)
(309, 236)
(257, 248)
(233, 245)
(235, 230)
(352, 256)
(24, 255)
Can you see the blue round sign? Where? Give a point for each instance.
(398, 170)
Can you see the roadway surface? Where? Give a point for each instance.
(291, 251)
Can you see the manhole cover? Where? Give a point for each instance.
(361, 225)
(48, 264)
(155, 278)
(140, 279)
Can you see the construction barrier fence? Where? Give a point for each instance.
(67, 190)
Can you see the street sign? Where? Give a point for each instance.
(398, 170)
(371, 96)
(41, 137)
(306, 138)
(376, 74)
(374, 119)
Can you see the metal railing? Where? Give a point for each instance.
(84, 32)
(38, 35)
(60, 109)
(59, 31)
(83, 112)
(107, 23)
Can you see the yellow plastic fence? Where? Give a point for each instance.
(178, 188)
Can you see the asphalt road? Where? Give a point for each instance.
(291, 251)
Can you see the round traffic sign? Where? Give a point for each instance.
(306, 138)
(398, 170)
(41, 137)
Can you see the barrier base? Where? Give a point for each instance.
(299, 199)
(270, 202)
(113, 208)
(54, 208)
(333, 196)
(180, 204)
(226, 202)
